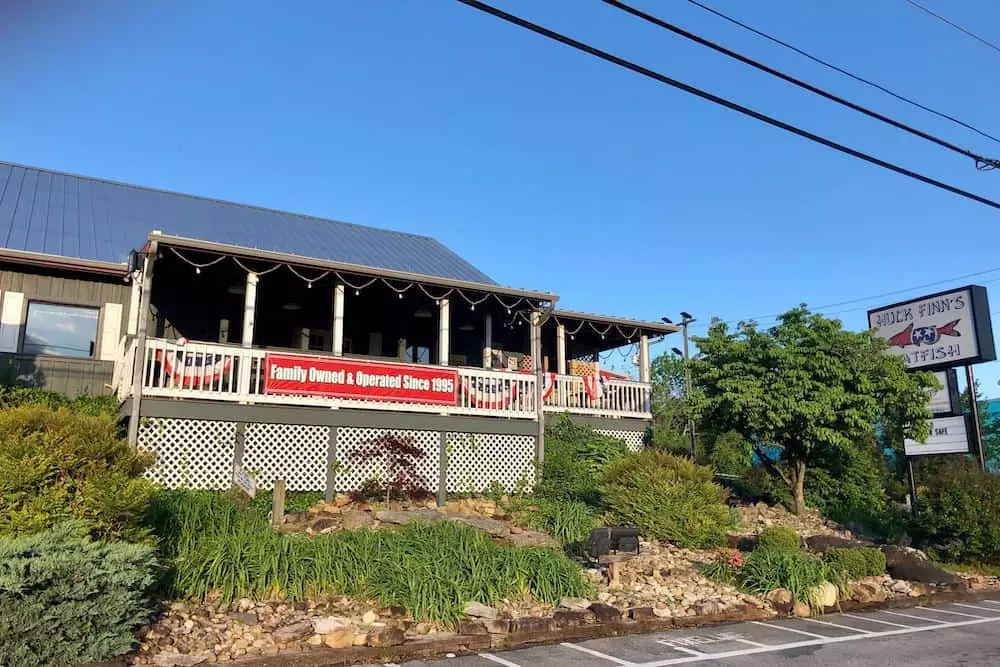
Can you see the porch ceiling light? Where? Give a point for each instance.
(236, 289)
(467, 326)
(291, 305)
(423, 314)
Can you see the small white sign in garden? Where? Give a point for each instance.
(244, 481)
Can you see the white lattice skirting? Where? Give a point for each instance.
(198, 454)
(632, 439)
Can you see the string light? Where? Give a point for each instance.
(197, 270)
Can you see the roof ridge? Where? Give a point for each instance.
(216, 200)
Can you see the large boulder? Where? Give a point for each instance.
(911, 565)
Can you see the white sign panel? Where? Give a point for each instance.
(933, 331)
(940, 402)
(244, 481)
(948, 436)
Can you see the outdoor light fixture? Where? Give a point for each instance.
(291, 305)
(467, 326)
(236, 289)
(422, 314)
(667, 320)
(687, 316)
(677, 352)
(603, 541)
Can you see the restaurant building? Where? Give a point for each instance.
(238, 337)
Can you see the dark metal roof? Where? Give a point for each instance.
(90, 219)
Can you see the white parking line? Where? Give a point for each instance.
(918, 618)
(498, 660)
(682, 649)
(783, 627)
(834, 625)
(747, 641)
(597, 654)
(991, 602)
(953, 613)
(972, 606)
(877, 620)
(811, 642)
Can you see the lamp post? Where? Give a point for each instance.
(686, 319)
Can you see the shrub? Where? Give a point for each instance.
(396, 460)
(57, 465)
(213, 547)
(568, 521)
(959, 515)
(574, 458)
(856, 562)
(848, 481)
(667, 498)
(92, 406)
(778, 538)
(66, 600)
(767, 569)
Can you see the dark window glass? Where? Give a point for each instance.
(65, 331)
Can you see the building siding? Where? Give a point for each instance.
(68, 375)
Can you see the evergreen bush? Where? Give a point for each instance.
(779, 538)
(574, 458)
(57, 465)
(959, 515)
(856, 562)
(667, 498)
(65, 599)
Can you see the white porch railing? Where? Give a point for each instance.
(232, 373)
(607, 398)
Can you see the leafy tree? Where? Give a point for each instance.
(670, 416)
(806, 387)
(989, 426)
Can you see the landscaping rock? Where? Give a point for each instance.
(802, 610)
(533, 624)
(369, 617)
(385, 637)
(820, 543)
(912, 565)
(244, 617)
(491, 527)
(641, 613)
(781, 599)
(341, 638)
(605, 613)
(478, 610)
(565, 618)
(899, 586)
(708, 608)
(867, 592)
(576, 604)
(322, 524)
(532, 538)
(471, 627)
(178, 660)
(290, 633)
(355, 519)
(322, 626)
(496, 626)
(403, 517)
(341, 500)
(824, 595)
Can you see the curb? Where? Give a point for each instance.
(465, 644)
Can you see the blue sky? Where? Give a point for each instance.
(544, 167)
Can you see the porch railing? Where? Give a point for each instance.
(604, 398)
(232, 373)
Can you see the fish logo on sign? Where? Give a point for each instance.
(924, 335)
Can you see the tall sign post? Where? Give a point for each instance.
(941, 332)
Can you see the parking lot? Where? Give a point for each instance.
(860, 639)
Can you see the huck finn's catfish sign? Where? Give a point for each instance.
(938, 331)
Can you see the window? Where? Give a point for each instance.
(418, 354)
(65, 331)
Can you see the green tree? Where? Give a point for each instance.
(806, 387)
(989, 426)
(670, 417)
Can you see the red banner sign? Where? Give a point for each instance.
(367, 380)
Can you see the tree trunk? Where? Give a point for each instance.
(798, 488)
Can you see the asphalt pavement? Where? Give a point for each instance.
(966, 634)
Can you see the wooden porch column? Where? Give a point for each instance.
(488, 341)
(536, 340)
(249, 309)
(561, 349)
(444, 331)
(644, 358)
(338, 320)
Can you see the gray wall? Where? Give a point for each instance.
(68, 375)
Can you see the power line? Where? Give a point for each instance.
(774, 316)
(841, 70)
(954, 25)
(982, 162)
(729, 104)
